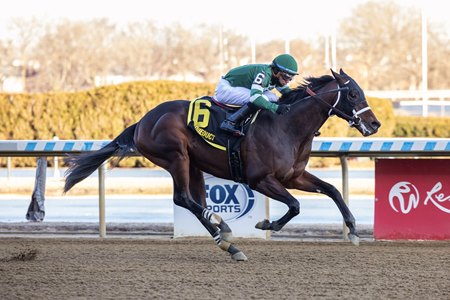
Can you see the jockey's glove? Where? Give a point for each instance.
(283, 109)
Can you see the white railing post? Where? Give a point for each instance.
(8, 167)
(56, 173)
(101, 200)
(345, 194)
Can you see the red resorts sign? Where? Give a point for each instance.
(412, 199)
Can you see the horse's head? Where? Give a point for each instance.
(354, 105)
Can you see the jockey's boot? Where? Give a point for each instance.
(233, 123)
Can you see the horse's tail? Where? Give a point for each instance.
(83, 165)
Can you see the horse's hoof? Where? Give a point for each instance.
(263, 225)
(354, 239)
(239, 256)
(226, 236)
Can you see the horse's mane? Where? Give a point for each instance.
(299, 92)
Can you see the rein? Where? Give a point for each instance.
(332, 108)
(352, 120)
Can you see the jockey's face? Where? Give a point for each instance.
(283, 77)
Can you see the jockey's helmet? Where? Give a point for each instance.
(286, 63)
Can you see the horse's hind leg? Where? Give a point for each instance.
(182, 197)
(164, 140)
(198, 193)
(213, 227)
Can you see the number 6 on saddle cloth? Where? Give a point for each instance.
(204, 118)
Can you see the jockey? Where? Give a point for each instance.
(250, 86)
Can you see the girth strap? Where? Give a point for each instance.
(234, 159)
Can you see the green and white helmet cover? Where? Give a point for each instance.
(286, 63)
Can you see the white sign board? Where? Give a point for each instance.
(239, 206)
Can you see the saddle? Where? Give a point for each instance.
(204, 118)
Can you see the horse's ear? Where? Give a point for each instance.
(339, 77)
(335, 75)
(343, 73)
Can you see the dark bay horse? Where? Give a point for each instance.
(274, 152)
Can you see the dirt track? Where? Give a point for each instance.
(88, 268)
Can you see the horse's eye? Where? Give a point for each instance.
(353, 95)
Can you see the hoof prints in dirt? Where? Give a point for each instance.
(23, 255)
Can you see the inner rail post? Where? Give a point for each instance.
(101, 200)
(344, 168)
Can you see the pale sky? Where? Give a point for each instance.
(263, 19)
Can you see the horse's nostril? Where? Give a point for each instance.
(376, 124)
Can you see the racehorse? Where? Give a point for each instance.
(274, 152)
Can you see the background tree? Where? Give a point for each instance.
(438, 59)
(72, 54)
(136, 50)
(6, 58)
(26, 34)
(379, 44)
(382, 42)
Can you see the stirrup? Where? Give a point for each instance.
(230, 127)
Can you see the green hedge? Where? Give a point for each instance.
(103, 113)
(407, 126)
(100, 113)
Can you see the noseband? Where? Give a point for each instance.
(353, 120)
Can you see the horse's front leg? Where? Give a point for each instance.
(310, 183)
(272, 188)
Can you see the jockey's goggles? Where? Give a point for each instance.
(286, 76)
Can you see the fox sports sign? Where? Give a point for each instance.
(236, 203)
(231, 200)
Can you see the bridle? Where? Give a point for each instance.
(353, 120)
